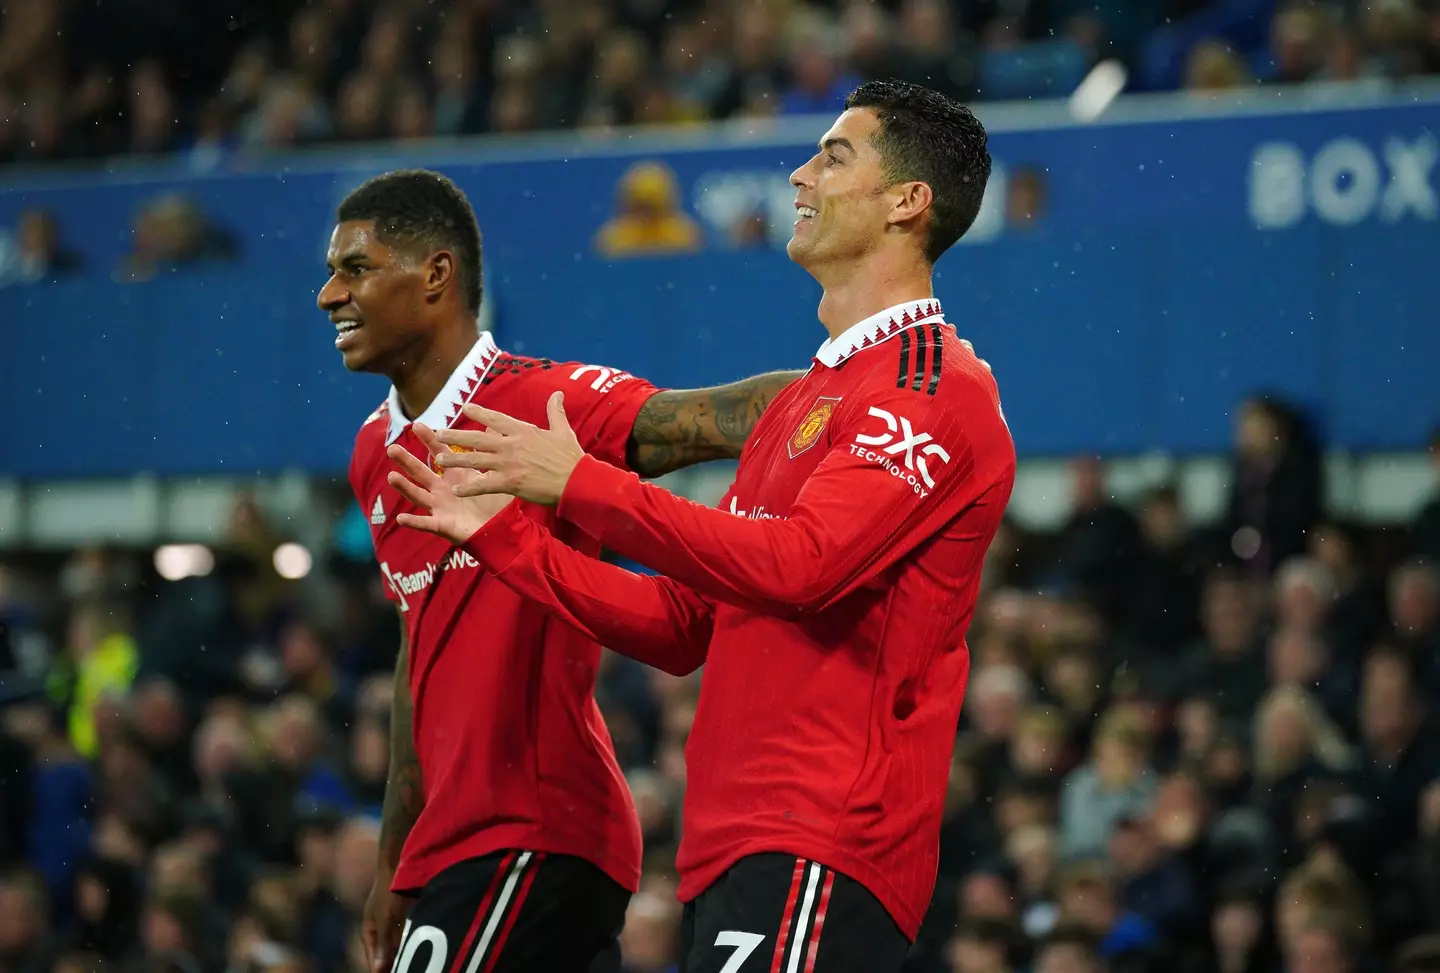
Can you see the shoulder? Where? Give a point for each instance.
(536, 374)
(929, 370)
(517, 385)
(373, 431)
(369, 449)
(521, 386)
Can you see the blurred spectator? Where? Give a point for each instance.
(1276, 497)
(648, 220)
(1154, 883)
(1164, 611)
(99, 663)
(1070, 949)
(152, 110)
(1295, 743)
(1240, 938)
(819, 83)
(1227, 664)
(1100, 543)
(171, 232)
(459, 93)
(935, 51)
(1414, 597)
(1214, 67)
(1297, 44)
(1399, 760)
(1115, 783)
(1025, 207)
(982, 946)
(1088, 899)
(38, 252)
(26, 942)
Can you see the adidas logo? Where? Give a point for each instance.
(377, 512)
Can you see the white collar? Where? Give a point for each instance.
(459, 389)
(877, 328)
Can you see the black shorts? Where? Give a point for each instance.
(780, 914)
(516, 911)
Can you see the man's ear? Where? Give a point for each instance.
(912, 199)
(439, 273)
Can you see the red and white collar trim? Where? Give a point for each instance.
(458, 391)
(877, 328)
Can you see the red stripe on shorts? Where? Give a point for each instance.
(788, 917)
(501, 870)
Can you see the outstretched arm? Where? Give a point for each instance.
(881, 490)
(653, 620)
(683, 427)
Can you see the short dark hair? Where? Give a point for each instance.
(416, 209)
(927, 137)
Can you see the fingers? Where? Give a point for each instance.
(412, 467)
(408, 489)
(555, 409)
(429, 440)
(423, 522)
(498, 421)
(469, 460)
(484, 440)
(370, 939)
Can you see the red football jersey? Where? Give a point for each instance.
(512, 747)
(828, 598)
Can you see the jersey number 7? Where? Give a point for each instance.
(744, 943)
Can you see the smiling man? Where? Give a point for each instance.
(828, 598)
(505, 812)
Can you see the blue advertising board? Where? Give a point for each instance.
(1183, 256)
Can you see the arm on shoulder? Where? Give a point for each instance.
(682, 427)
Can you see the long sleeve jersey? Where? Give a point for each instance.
(828, 598)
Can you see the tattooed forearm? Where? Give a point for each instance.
(678, 429)
(404, 791)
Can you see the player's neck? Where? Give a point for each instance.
(420, 378)
(855, 292)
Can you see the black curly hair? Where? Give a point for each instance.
(421, 212)
(926, 137)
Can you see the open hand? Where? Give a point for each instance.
(514, 457)
(452, 517)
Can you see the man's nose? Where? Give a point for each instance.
(331, 296)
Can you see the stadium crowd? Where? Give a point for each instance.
(1207, 749)
(216, 78)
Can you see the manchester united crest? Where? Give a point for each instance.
(808, 433)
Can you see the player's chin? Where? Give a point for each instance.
(358, 357)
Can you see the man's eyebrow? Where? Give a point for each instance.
(837, 143)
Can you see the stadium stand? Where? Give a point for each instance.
(152, 76)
